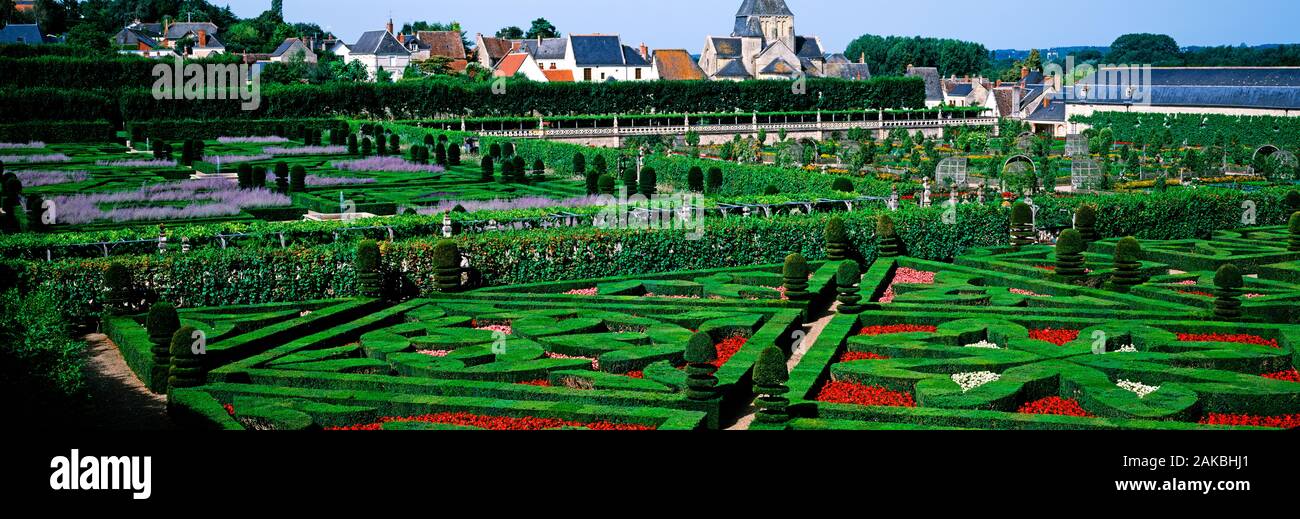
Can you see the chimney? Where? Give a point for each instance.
(1024, 73)
(1046, 101)
(390, 26)
(863, 58)
(203, 37)
(401, 38)
(645, 52)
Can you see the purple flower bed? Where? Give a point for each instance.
(252, 140)
(35, 159)
(152, 163)
(21, 145)
(528, 202)
(49, 178)
(319, 181)
(211, 197)
(305, 150)
(235, 159)
(392, 164)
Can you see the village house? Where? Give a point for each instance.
(763, 45)
(379, 50)
(152, 40)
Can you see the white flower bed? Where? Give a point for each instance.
(1127, 349)
(969, 381)
(986, 345)
(1142, 390)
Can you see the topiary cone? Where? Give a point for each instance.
(369, 280)
(837, 239)
(1228, 282)
(770, 377)
(187, 366)
(847, 279)
(1069, 255)
(887, 237)
(446, 260)
(1022, 225)
(1128, 265)
(700, 356)
(1293, 238)
(1085, 221)
(795, 273)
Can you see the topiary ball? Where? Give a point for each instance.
(843, 185)
(117, 278)
(1293, 199)
(1021, 214)
(1128, 250)
(163, 321)
(1085, 216)
(700, 349)
(770, 369)
(1293, 224)
(1229, 277)
(835, 230)
(1070, 243)
(849, 274)
(796, 266)
(771, 190)
(446, 254)
(367, 256)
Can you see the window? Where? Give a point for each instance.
(638, 73)
(586, 74)
(602, 76)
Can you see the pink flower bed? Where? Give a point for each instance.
(583, 292)
(1020, 292)
(595, 364)
(435, 353)
(906, 276)
(505, 329)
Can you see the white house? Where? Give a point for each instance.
(603, 57)
(520, 62)
(293, 47)
(380, 50)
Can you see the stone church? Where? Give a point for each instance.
(763, 45)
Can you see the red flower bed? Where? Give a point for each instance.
(1055, 405)
(635, 374)
(497, 423)
(1290, 375)
(850, 356)
(1196, 293)
(539, 383)
(1290, 421)
(897, 328)
(1238, 338)
(728, 348)
(230, 409)
(1057, 337)
(1049, 268)
(857, 394)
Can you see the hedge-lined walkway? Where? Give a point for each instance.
(814, 331)
(118, 401)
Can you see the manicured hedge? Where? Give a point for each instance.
(445, 98)
(58, 131)
(1199, 129)
(77, 71)
(55, 104)
(174, 130)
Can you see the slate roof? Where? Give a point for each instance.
(177, 31)
(1031, 95)
(849, 71)
(779, 67)
(549, 49)
(213, 43)
(961, 89)
(837, 58)
(677, 65)
(441, 43)
(1004, 98)
(380, 43)
(735, 69)
(727, 47)
(633, 58)
(1268, 88)
(764, 8)
(131, 36)
(1034, 78)
(28, 33)
(284, 46)
(933, 90)
(808, 47)
(1053, 113)
(558, 76)
(597, 50)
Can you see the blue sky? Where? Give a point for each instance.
(685, 23)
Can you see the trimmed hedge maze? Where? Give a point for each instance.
(1001, 340)
(658, 352)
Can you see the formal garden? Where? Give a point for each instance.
(394, 257)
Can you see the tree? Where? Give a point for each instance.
(542, 28)
(695, 179)
(52, 16)
(511, 33)
(770, 376)
(7, 10)
(487, 168)
(1146, 49)
(648, 182)
(88, 36)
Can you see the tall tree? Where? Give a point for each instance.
(542, 28)
(6, 11)
(511, 33)
(1145, 49)
(52, 15)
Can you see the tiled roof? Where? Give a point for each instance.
(727, 47)
(510, 65)
(1005, 100)
(442, 43)
(734, 69)
(549, 49)
(558, 76)
(496, 48)
(380, 43)
(597, 50)
(677, 65)
(933, 90)
(28, 33)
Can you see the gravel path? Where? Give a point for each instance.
(119, 401)
(813, 331)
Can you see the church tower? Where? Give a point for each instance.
(771, 20)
